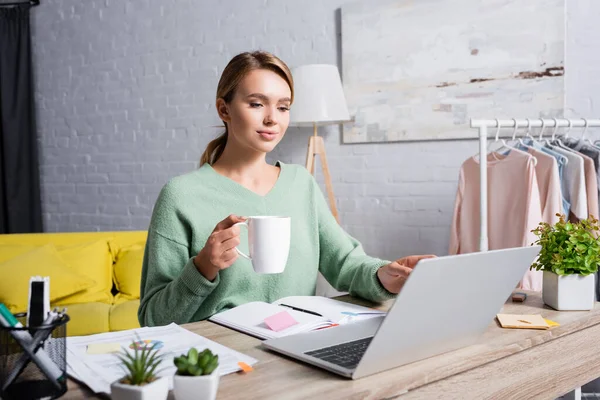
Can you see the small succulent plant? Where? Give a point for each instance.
(140, 366)
(196, 364)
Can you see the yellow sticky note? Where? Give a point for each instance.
(522, 321)
(551, 323)
(103, 348)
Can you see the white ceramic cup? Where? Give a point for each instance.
(268, 242)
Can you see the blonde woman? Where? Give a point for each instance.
(191, 269)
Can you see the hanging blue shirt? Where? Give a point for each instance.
(560, 160)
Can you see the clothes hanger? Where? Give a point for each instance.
(548, 143)
(520, 139)
(527, 135)
(497, 139)
(540, 138)
(490, 149)
(514, 137)
(561, 145)
(553, 132)
(511, 147)
(557, 141)
(585, 126)
(585, 140)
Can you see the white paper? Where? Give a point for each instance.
(98, 371)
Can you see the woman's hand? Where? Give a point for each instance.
(219, 252)
(392, 276)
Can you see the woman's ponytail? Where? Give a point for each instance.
(214, 149)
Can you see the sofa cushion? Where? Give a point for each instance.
(8, 251)
(128, 271)
(121, 238)
(124, 315)
(43, 261)
(94, 260)
(88, 318)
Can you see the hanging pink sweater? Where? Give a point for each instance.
(513, 207)
(591, 185)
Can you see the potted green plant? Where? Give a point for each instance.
(140, 381)
(569, 257)
(197, 375)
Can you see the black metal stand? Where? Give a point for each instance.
(33, 360)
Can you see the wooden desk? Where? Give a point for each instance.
(504, 364)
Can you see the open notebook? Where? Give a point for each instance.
(250, 317)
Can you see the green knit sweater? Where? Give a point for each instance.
(185, 214)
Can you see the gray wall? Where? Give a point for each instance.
(125, 96)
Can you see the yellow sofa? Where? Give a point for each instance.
(95, 275)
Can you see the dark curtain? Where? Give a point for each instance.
(20, 203)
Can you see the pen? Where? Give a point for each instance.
(301, 309)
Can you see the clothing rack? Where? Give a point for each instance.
(484, 124)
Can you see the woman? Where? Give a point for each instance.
(191, 269)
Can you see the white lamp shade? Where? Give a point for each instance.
(318, 95)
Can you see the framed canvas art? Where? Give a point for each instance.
(419, 70)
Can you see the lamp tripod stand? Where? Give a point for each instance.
(316, 146)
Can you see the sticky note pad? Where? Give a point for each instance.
(280, 321)
(551, 323)
(103, 348)
(519, 321)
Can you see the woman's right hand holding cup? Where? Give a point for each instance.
(219, 252)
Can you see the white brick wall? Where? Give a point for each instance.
(125, 94)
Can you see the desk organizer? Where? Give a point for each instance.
(21, 376)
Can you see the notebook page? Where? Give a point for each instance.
(337, 311)
(249, 318)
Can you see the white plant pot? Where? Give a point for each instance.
(196, 387)
(157, 390)
(568, 292)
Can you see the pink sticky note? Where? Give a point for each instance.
(280, 321)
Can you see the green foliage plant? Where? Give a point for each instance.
(568, 247)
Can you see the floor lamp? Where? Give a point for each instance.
(318, 100)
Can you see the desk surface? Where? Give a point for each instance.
(504, 363)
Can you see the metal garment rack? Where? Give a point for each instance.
(484, 124)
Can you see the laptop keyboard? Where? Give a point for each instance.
(345, 355)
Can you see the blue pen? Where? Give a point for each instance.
(354, 314)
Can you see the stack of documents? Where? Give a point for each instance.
(99, 366)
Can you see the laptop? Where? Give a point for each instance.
(446, 303)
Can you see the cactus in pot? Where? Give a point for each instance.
(196, 364)
(197, 375)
